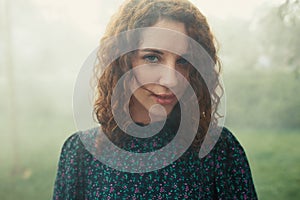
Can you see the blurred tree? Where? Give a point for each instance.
(279, 31)
(8, 54)
(238, 45)
(289, 12)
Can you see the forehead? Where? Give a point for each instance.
(166, 35)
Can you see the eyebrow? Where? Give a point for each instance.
(152, 50)
(186, 55)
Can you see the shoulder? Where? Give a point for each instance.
(231, 168)
(228, 157)
(71, 141)
(74, 143)
(70, 166)
(227, 142)
(224, 148)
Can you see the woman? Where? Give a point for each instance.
(155, 84)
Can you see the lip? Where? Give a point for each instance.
(164, 99)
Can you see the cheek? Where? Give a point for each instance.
(140, 95)
(185, 71)
(145, 76)
(184, 74)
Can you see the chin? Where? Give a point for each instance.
(159, 112)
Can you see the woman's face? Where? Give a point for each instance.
(158, 73)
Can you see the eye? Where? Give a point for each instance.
(151, 58)
(182, 61)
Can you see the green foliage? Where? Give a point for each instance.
(263, 99)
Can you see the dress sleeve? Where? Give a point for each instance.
(232, 171)
(68, 183)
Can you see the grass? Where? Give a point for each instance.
(275, 162)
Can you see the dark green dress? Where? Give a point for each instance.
(222, 174)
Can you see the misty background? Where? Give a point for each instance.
(44, 43)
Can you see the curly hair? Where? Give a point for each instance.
(134, 14)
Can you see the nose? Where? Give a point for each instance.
(168, 75)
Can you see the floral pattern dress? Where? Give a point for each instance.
(224, 173)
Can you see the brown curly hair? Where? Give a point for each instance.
(135, 14)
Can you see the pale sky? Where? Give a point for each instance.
(89, 15)
(231, 8)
